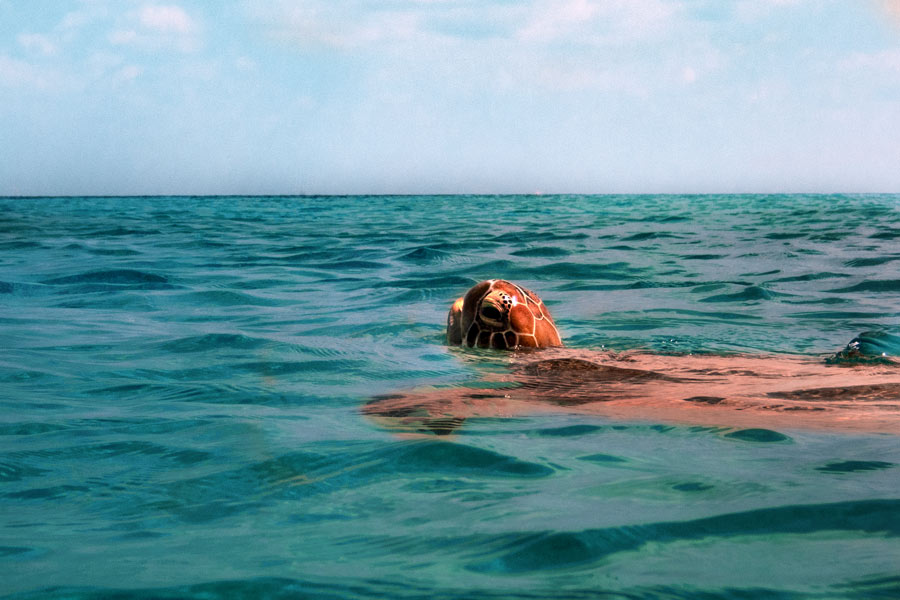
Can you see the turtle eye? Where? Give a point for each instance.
(492, 313)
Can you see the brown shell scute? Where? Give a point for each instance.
(498, 340)
(529, 294)
(521, 320)
(512, 339)
(472, 336)
(524, 320)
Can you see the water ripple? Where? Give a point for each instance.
(183, 377)
(114, 276)
(556, 549)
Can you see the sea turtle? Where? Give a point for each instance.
(703, 389)
(499, 314)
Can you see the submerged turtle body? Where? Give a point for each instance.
(499, 314)
(746, 391)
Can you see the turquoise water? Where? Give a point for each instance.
(181, 383)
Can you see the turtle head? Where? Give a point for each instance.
(499, 314)
(495, 308)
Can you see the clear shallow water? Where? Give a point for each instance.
(182, 378)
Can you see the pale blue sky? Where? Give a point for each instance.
(444, 96)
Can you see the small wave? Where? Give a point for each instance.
(463, 245)
(765, 436)
(258, 284)
(47, 493)
(542, 252)
(455, 282)
(113, 251)
(605, 459)
(132, 301)
(20, 245)
(10, 472)
(228, 298)
(114, 276)
(212, 341)
(871, 285)
(553, 550)
(703, 256)
(445, 457)
(870, 262)
(810, 277)
(162, 392)
(439, 296)
(502, 268)
(139, 426)
(827, 301)
(570, 270)
(840, 315)
(308, 366)
(28, 428)
(121, 231)
(583, 286)
(870, 346)
(568, 431)
(640, 284)
(831, 236)
(887, 233)
(425, 254)
(855, 466)
(115, 450)
(650, 235)
(23, 375)
(345, 465)
(407, 588)
(529, 237)
(785, 235)
(750, 293)
(6, 551)
(97, 288)
(21, 289)
(350, 265)
(662, 218)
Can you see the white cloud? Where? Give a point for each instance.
(558, 46)
(155, 26)
(18, 73)
(755, 10)
(166, 18)
(243, 63)
(36, 42)
(53, 42)
(355, 24)
(100, 64)
(689, 75)
(127, 73)
(886, 61)
(124, 37)
(598, 22)
(550, 22)
(88, 13)
(333, 24)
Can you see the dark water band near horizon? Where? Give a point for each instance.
(184, 380)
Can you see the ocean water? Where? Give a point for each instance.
(182, 382)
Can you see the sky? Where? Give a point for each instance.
(129, 97)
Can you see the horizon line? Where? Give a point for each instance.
(435, 195)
